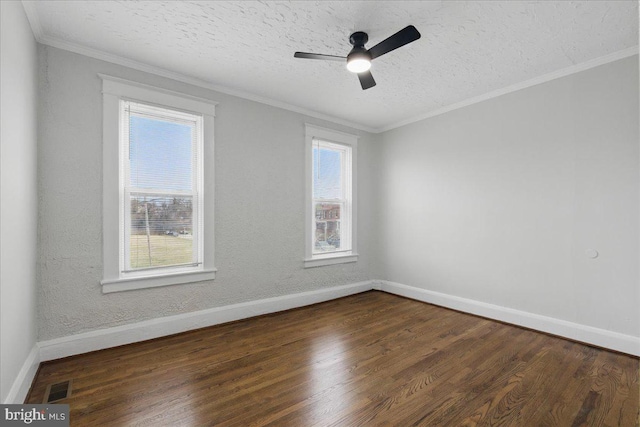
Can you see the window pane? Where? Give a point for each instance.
(161, 231)
(327, 173)
(327, 234)
(160, 154)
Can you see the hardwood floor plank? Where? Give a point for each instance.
(368, 359)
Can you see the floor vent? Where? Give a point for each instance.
(57, 391)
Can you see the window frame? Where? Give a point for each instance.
(175, 116)
(348, 220)
(115, 278)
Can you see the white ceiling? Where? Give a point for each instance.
(468, 49)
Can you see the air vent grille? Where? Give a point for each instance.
(57, 391)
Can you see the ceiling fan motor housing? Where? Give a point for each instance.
(358, 40)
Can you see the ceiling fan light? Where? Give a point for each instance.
(358, 65)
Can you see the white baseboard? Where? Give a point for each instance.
(163, 326)
(22, 383)
(574, 331)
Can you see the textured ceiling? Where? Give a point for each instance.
(467, 48)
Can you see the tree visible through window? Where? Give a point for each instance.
(161, 186)
(156, 146)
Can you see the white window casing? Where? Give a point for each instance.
(339, 203)
(121, 98)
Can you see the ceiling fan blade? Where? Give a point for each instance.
(399, 39)
(319, 56)
(366, 80)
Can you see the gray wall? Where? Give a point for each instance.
(19, 199)
(499, 201)
(496, 202)
(259, 205)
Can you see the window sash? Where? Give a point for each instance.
(344, 152)
(343, 221)
(126, 249)
(345, 201)
(195, 122)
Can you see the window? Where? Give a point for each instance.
(161, 187)
(331, 203)
(156, 190)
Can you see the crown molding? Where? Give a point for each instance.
(563, 72)
(129, 63)
(34, 20)
(41, 38)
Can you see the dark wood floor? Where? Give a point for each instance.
(368, 359)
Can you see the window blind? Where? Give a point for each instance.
(330, 198)
(160, 187)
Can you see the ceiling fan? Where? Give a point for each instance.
(359, 59)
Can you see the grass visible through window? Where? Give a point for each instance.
(166, 250)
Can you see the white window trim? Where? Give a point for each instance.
(315, 132)
(196, 120)
(115, 89)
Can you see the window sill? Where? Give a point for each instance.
(131, 283)
(329, 260)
